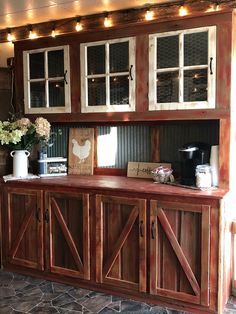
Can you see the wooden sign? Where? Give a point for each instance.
(143, 169)
(81, 151)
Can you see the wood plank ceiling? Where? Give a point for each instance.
(17, 13)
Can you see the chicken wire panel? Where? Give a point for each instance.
(119, 90)
(37, 95)
(96, 59)
(119, 57)
(195, 85)
(167, 52)
(56, 63)
(36, 65)
(56, 94)
(196, 49)
(97, 92)
(167, 87)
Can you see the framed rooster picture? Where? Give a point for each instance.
(81, 151)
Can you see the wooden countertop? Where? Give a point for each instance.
(115, 183)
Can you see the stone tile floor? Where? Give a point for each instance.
(22, 294)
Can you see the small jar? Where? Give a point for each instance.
(203, 176)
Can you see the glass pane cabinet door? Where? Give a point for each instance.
(182, 70)
(96, 59)
(167, 53)
(57, 93)
(36, 65)
(37, 92)
(107, 75)
(119, 90)
(167, 88)
(47, 80)
(97, 91)
(119, 57)
(196, 48)
(56, 63)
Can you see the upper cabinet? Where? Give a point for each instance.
(182, 69)
(47, 80)
(108, 75)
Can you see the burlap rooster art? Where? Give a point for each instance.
(81, 151)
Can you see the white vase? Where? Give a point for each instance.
(20, 163)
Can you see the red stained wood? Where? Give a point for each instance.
(124, 262)
(118, 184)
(27, 219)
(223, 57)
(113, 221)
(205, 252)
(122, 238)
(25, 233)
(142, 72)
(178, 251)
(69, 229)
(67, 235)
(190, 237)
(221, 20)
(155, 144)
(170, 267)
(196, 204)
(86, 236)
(99, 238)
(224, 157)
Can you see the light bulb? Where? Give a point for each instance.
(53, 34)
(183, 11)
(213, 8)
(107, 22)
(78, 27)
(10, 37)
(32, 34)
(149, 15)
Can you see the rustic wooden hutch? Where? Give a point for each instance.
(162, 244)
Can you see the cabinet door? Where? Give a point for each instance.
(108, 75)
(182, 69)
(121, 242)
(180, 251)
(25, 228)
(47, 80)
(67, 218)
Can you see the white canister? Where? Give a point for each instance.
(20, 163)
(203, 176)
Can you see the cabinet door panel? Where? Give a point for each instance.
(121, 242)
(69, 234)
(180, 238)
(25, 232)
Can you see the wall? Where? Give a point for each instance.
(123, 143)
(6, 51)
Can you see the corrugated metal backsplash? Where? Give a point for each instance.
(133, 142)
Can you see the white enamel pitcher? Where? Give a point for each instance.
(20, 163)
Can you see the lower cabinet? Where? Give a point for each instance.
(121, 242)
(152, 247)
(68, 234)
(180, 251)
(50, 232)
(24, 228)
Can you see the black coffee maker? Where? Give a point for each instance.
(192, 155)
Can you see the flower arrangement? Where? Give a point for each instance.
(22, 134)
